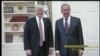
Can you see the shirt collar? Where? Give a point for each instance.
(38, 18)
(67, 18)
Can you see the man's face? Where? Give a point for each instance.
(65, 11)
(39, 12)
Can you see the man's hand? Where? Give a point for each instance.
(57, 54)
(28, 52)
(50, 51)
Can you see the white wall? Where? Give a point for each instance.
(88, 12)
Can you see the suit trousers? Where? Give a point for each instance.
(42, 50)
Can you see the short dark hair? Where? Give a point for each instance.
(64, 5)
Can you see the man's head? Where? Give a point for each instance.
(65, 10)
(39, 10)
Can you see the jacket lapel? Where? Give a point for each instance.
(44, 21)
(71, 24)
(35, 24)
(62, 25)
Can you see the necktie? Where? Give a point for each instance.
(41, 32)
(66, 25)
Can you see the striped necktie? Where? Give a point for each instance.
(41, 32)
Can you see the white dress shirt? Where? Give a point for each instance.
(68, 20)
(37, 19)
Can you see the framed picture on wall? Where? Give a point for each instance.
(8, 10)
(30, 9)
(41, 2)
(9, 38)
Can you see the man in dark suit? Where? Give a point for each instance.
(68, 31)
(38, 37)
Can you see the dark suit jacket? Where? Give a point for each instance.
(74, 35)
(31, 35)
